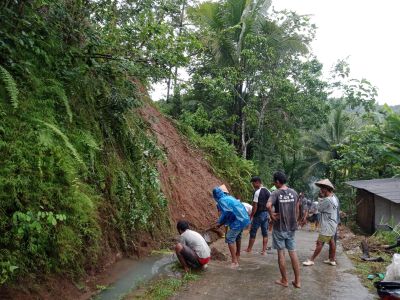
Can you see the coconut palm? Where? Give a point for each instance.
(233, 30)
(324, 144)
(391, 135)
(226, 25)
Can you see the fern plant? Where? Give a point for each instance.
(54, 87)
(66, 140)
(10, 85)
(64, 99)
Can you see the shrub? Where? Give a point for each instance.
(224, 161)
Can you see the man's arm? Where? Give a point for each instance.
(271, 201)
(255, 204)
(182, 240)
(222, 219)
(269, 206)
(297, 208)
(253, 211)
(303, 221)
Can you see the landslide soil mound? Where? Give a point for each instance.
(186, 177)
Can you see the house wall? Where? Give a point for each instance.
(365, 211)
(386, 211)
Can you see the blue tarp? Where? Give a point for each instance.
(233, 213)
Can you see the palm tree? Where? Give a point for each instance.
(391, 135)
(227, 24)
(226, 27)
(324, 144)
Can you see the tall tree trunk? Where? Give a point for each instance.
(179, 34)
(261, 116)
(245, 143)
(238, 111)
(169, 86)
(175, 77)
(243, 137)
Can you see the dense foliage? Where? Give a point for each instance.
(223, 159)
(255, 83)
(78, 172)
(77, 169)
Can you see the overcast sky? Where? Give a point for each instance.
(366, 31)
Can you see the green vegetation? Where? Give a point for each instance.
(365, 268)
(255, 85)
(78, 171)
(224, 160)
(376, 242)
(164, 288)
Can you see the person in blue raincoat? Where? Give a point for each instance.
(233, 214)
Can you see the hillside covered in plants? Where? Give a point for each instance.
(90, 168)
(79, 178)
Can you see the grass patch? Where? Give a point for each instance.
(365, 268)
(161, 252)
(164, 288)
(101, 287)
(376, 243)
(387, 238)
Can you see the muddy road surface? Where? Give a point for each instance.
(256, 275)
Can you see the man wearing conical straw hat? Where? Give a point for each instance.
(328, 207)
(224, 189)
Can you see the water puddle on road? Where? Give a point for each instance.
(140, 272)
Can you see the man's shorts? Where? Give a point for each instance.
(261, 219)
(190, 257)
(312, 218)
(232, 236)
(324, 238)
(283, 240)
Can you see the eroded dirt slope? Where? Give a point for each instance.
(186, 177)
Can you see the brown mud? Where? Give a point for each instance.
(186, 177)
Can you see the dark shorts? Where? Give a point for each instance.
(232, 236)
(314, 218)
(190, 257)
(282, 240)
(260, 220)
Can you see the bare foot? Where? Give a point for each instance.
(262, 252)
(296, 285)
(248, 250)
(234, 265)
(284, 284)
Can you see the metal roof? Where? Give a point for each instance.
(388, 188)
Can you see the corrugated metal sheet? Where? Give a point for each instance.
(388, 188)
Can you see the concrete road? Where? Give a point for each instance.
(256, 275)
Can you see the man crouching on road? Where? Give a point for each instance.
(192, 251)
(285, 203)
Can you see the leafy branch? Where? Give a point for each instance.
(10, 85)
